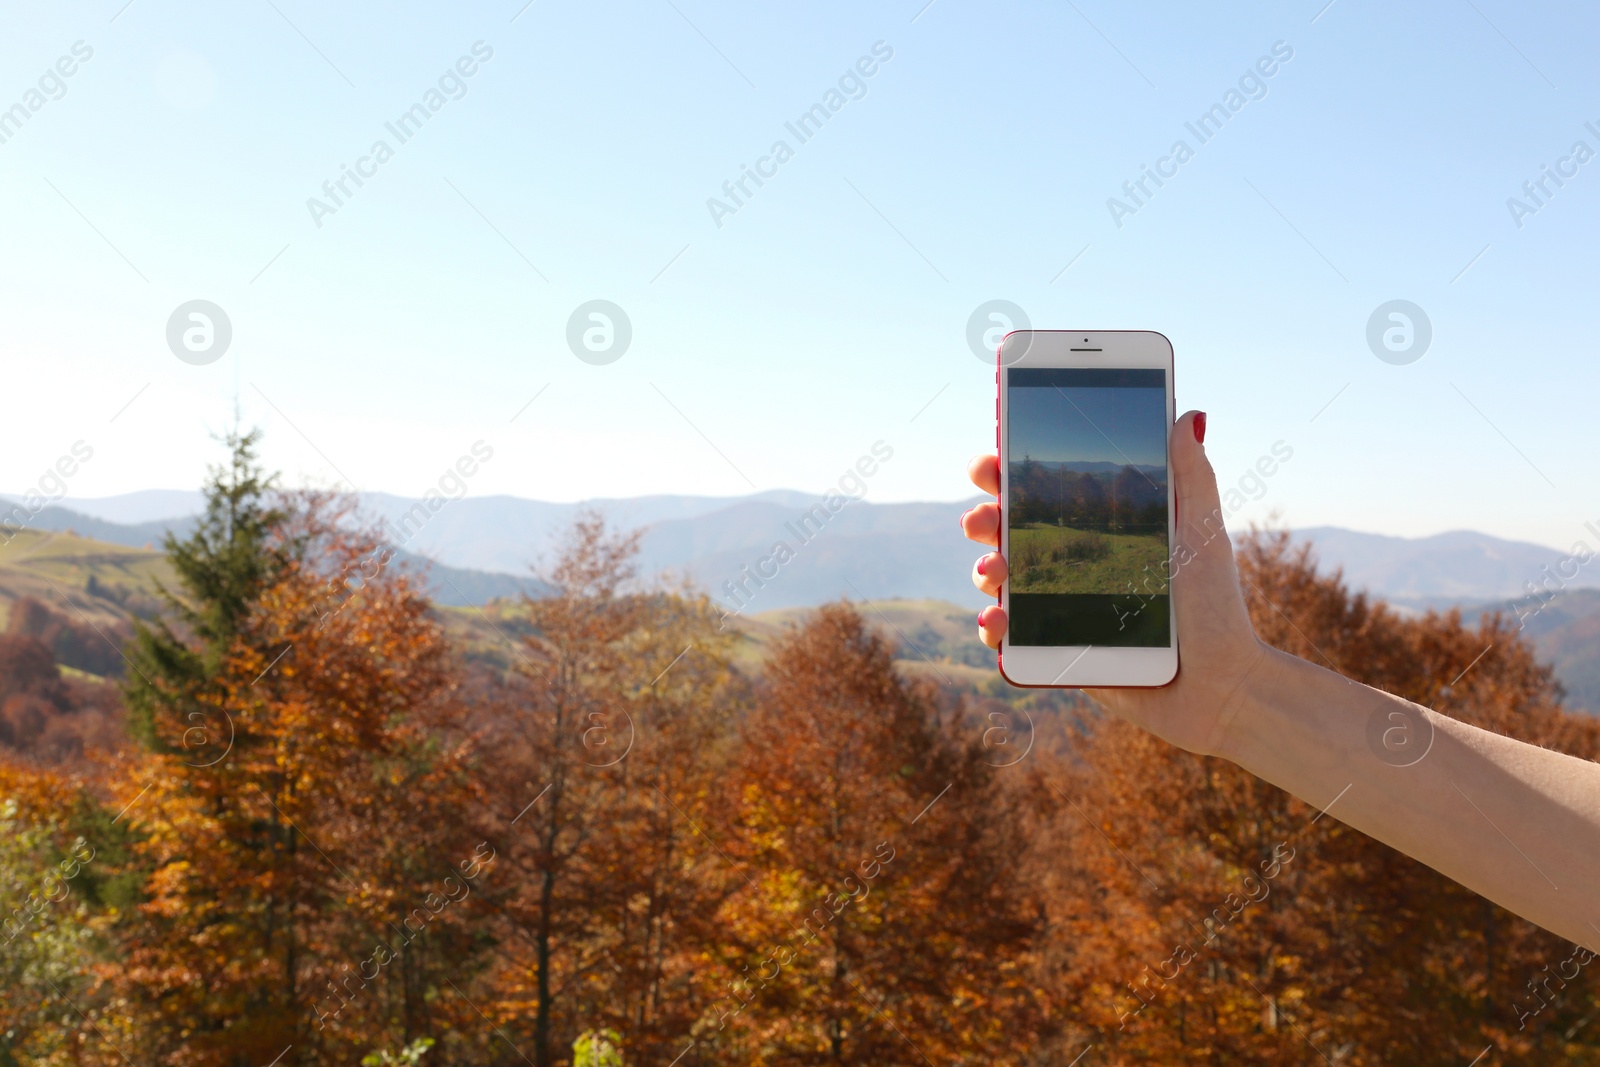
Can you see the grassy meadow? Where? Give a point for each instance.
(1059, 559)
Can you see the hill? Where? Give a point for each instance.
(909, 550)
(1446, 568)
(94, 589)
(95, 582)
(446, 584)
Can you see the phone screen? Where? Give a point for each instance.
(1086, 511)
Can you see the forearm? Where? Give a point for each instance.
(1512, 821)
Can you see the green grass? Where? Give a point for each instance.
(1058, 559)
(49, 565)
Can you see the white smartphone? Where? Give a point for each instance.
(1087, 518)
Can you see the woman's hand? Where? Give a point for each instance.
(1217, 648)
(1305, 729)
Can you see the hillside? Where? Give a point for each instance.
(1566, 633)
(1446, 568)
(909, 550)
(94, 585)
(446, 584)
(94, 582)
(884, 550)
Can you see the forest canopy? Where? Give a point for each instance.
(311, 828)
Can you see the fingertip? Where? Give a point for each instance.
(1188, 440)
(992, 625)
(1191, 426)
(981, 523)
(984, 470)
(1194, 480)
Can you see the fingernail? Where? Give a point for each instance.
(980, 618)
(981, 561)
(1200, 427)
(963, 519)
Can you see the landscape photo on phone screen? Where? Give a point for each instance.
(1086, 507)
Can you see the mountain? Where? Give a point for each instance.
(912, 550)
(1479, 574)
(780, 551)
(1442, 569)
(446, 584)
(145, 505)
(1078, 466)
(865, 549)
(1565, 631)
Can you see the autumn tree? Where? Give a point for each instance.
(1212, 918)
(286, 853)
(48, 933)
(607, 743)
(878, 924)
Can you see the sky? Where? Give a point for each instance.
(1089, 425)
(774, 334)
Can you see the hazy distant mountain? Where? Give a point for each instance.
(1079, 466)
(146, 505)
(912, 550)
(481, 548)
(871, 550)
(446, 584)
(1445, 568)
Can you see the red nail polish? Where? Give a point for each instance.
(980, 618)
(1200, 427)
(981, 563)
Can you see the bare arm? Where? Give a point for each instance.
(1512, 821)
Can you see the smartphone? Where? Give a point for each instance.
(1087, 518)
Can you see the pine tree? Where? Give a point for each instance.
(304, 866)
(222, 569)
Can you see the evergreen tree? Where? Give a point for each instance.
(222, 568)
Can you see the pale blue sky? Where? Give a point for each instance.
(830, 310)
(1057, 424)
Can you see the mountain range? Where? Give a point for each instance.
(912, 550)
(482, 548)
(1079, 466)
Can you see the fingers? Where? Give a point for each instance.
(982, 524)
(1199, 505)
(984, 470)
(989, 573)
(992, 624)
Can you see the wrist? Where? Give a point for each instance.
(1243, 712)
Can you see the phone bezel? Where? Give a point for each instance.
(1081, 666)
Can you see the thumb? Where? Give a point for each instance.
(1200, 520)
